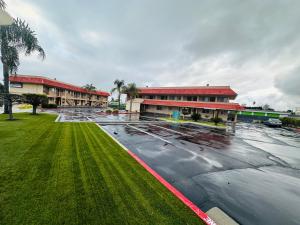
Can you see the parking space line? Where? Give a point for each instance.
(153, 135)
(174, 131)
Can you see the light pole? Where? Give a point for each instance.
(5, 18)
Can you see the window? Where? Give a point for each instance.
(205, 111)
(163, 97)
(220, 99)
(179, 98)
(151, 97)
(192, 98)
(46, 90)
(212, 99)
(159, 107)
(16, 85)
(171, 97)
(201, 99)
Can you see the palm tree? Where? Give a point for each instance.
(90, 88)
(132, 91)
(14, 38)
(119, 86)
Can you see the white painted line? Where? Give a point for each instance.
(57, 118)
(119, 143)
(174, 131)
(153, 135)
(89, 119)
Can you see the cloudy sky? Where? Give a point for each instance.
(253, 46)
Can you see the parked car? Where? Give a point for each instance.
(273, 123)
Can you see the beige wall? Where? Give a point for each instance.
(27, 88)
(136, 104)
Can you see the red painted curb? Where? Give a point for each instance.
(202, 215)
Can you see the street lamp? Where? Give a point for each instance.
(5, 18)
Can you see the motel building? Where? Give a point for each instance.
(59, 93)
(208, 101)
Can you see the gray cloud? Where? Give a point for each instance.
(289, 83)
(246, 44)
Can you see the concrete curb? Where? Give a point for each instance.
(202, 215)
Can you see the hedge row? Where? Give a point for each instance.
(287, 121)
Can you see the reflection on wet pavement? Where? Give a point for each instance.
(252, 175)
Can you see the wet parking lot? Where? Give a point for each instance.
(253, 175)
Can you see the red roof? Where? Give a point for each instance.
(200, 90)
(202, 105)
(52, 83)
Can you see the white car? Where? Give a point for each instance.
(273, 122)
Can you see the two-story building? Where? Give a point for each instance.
(59, 93)
(208, 101)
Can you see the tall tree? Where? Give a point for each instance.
(90, 89)
(1, 92)
(13, 39)
(132, 91)
(119, 85)
(1, 88)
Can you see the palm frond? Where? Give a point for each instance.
(89, 87)
(20, 35)
(2, 4)
(130, 90)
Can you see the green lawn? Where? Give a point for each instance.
(73, 173)
(202, 123)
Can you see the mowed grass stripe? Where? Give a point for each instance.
(129, 166)
(73, 173)
(100, 196)
(113, 177)
(138, 196)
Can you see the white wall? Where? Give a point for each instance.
(136, 105)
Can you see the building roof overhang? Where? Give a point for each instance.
(202, 105)
(199, 90)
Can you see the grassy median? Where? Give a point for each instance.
(201, 122)
(73, 173)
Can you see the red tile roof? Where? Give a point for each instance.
(202, 105)
(52, 83)
(199, 90)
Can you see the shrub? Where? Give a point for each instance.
(196, 117)
(49, 106)
(216, 120)
(108, 111)
(115, 111)
(287, 121)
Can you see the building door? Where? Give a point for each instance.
(58, 101)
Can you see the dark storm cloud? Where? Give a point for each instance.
(245, 44)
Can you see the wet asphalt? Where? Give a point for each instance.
(253, 174)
